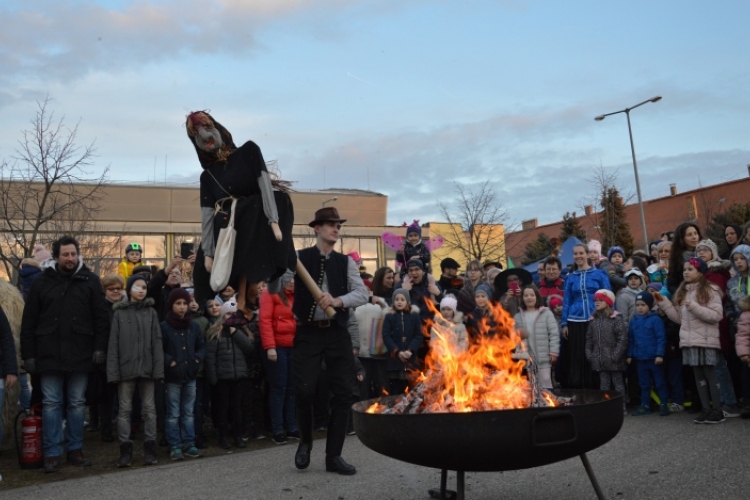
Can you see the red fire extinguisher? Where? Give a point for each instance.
(29, 449)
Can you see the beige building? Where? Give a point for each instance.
(160, 218)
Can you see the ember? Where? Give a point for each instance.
(488, 376)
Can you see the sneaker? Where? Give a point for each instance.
(176, 454)
(730, 411)
(191, 451)
(701, 418)
(279, 438)
(715, 416)
(641, 411)
(321, 427)
(675, 407)
(240, 443)
(351, 431)
(664, 410)
(224, 444)
(293, 435)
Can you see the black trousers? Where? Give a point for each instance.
(229, 398)
(312, 346)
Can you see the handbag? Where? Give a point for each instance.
(224, 254)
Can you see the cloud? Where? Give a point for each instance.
(68, 39)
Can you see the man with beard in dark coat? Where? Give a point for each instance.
(64, 334)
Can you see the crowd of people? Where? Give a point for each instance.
(150, 362)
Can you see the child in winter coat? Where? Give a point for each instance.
(718, 274)
(414, 248)
(226, 366)
(211, 313)
(607, 343)
(184, 350)
(132, 259)
(402, 335)
(742, 342)
(542, 333)
(697, 308)
(625, 301)
(613, 266)
(451, 318)
(30, 270)
(647, 343)
(481, 321)
(135, 359)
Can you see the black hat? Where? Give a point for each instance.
(326, 214)
(448, 263)
(142, 270)
(501, 280)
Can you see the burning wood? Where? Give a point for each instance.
(488, 376)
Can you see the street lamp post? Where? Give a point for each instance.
(635, 164)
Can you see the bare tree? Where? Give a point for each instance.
(608, 215)
(46, 189)
(474, 223)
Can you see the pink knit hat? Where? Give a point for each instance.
(595, 245)
(41, 254)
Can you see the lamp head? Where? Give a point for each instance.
(599, 118)
(655, 99)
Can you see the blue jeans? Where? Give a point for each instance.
(646, 370)
(725, 380)
(179, 425)
(52, 383)
(673, 372)
(281, 394)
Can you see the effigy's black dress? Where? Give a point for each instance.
(257, 254)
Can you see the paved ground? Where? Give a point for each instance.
(651, 458)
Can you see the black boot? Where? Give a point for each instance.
(149, 453)
(126, 455)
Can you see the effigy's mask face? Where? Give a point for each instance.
(208, 139)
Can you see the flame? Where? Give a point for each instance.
(483, 377)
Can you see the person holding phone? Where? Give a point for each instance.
(508, 285)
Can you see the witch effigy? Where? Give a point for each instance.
(237, 191)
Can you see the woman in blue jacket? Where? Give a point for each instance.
(578, 307)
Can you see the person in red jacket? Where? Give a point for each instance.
(277, 328)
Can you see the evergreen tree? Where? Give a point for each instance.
(613, 226)
(736, 213)
(571, 227)
(537, 249)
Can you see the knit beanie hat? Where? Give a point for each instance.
(595, 245)
(175, 295)
(634, 272)
(414, 227)
(554, 301)
(485, 289)
(606, 296)
(614, 250)
(41, 254)
(132, 280)
(711, 246)
(449, 301)
(415, 262)
(699, 264)
(646, 297)
(401, 291)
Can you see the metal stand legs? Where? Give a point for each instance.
(592, 476)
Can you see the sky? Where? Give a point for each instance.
(402, 97)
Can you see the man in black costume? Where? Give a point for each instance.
(319, 338)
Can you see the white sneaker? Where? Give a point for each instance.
(675, 408)
(730, 411)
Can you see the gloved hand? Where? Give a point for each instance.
(29, 365)
(98, 357)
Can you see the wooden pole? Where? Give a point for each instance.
(313, 287)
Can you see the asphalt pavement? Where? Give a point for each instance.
(651, 458)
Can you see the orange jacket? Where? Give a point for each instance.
(276, 320)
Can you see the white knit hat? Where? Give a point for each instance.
(449, 301)
(228, 307)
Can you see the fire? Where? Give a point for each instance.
(487, 376)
